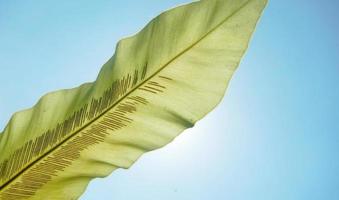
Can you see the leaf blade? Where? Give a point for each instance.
(174, 81)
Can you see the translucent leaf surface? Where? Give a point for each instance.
(158, 83)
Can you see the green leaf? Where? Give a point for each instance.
(158, 83)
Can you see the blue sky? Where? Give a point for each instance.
(274, 136)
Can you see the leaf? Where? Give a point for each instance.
(158, 83)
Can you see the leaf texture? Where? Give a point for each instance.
(158, 83)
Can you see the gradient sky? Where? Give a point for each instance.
(274, 136)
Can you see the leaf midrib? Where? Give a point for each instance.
(13, 178)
